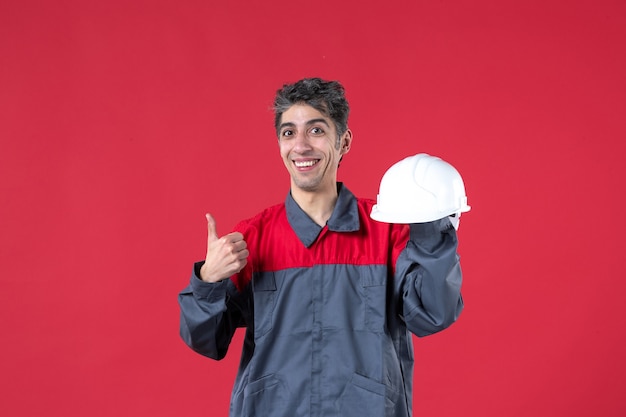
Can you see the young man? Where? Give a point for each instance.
(329, 297)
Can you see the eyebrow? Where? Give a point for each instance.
(308, 123)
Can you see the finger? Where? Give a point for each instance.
(239, 246)
(243, 256)
(234, 237)
(212, 228)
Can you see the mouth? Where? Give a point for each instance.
(306, 163)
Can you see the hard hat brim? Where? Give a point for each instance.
(409, 218)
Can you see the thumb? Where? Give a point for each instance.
(212, 228)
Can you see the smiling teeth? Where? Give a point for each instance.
(305, 164)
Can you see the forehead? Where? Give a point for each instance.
(300, 114)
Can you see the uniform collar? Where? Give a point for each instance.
(345, 217)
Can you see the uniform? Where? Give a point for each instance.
(328, 311)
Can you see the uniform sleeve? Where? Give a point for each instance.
(428, 277)
(209, 315)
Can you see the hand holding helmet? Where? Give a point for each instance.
(420, 189)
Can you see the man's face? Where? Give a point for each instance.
(310, 148)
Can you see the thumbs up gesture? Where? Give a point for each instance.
(225, 256)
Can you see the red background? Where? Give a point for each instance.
(123, 122)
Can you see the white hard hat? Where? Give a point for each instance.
(420, 189)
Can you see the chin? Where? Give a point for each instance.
(307, 186)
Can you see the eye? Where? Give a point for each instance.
(286, 133)
(317, 131)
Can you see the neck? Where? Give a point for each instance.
(318, 205)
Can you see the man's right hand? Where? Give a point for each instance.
(225, 256)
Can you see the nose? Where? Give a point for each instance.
(301, 143)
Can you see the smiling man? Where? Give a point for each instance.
(329, 297)
(311, 148)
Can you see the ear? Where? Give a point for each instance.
(346, 142)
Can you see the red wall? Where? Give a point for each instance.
(123, 122)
